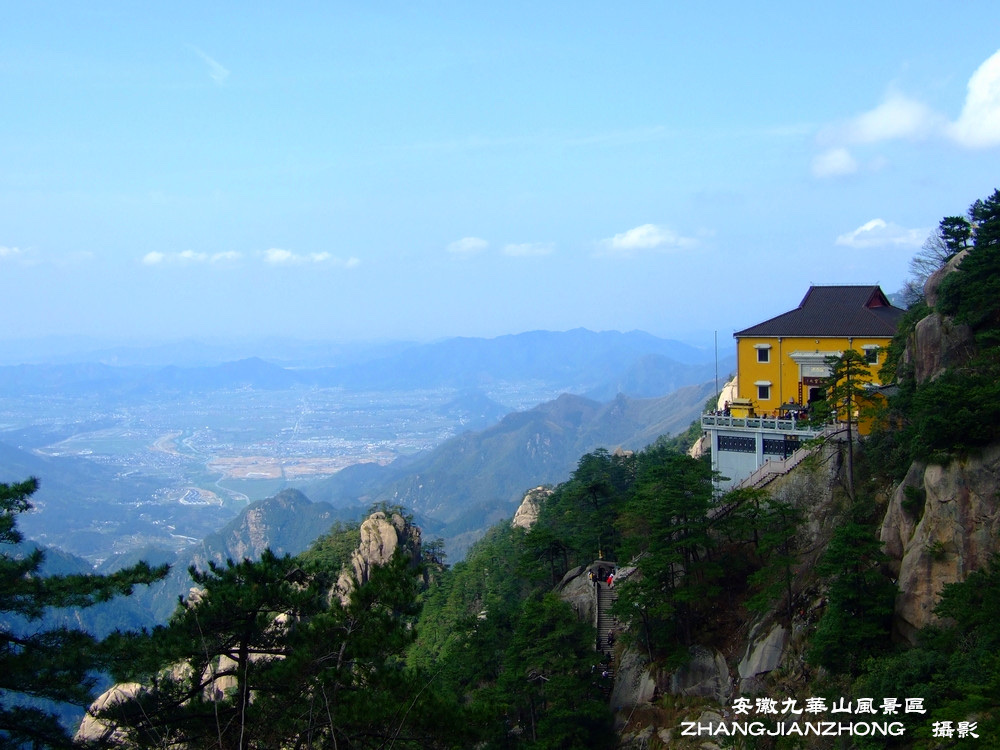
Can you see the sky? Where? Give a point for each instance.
(419, 170)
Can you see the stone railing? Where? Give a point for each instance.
(781, 424)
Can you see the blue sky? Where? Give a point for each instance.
(420, 170)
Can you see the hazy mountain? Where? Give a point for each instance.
(574, 360)
(474, 410)
(83, 501)
(577, 361)
(196, 353)
(287, 523)
(477, 478)
(655, 375)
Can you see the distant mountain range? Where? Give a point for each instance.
(578, 361)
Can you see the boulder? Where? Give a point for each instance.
(762, 656)
(577, 590)
(527, 512)
(381, 536)
(95, 730)
(938, 343)
(934, 280)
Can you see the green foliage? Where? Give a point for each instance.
(857, 618)
(577, 523)
(513, 657)
(682, 442)
(466, 610)
(272, 659)
(549, 687)
(889, 372)
(332, 551)
(972, 293)
(58, 665)
(955, 666)
(776, 524)
(848, 388)
(666, 527)
(914, 499)
(957, 412)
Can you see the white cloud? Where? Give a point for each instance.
(646, 237)
(9, 252)
(526, 249)
(897, 117)
(189, 256)
(218, 72)
(467, 246)
(278, 256)
(979, 124)
(880, 233)
(273, 256)
(834, 163)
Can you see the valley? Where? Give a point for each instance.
(178, 467)
(139, 458)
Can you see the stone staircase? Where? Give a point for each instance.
(606, 623)
(774, 468)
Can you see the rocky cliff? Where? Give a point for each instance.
(382, 534)
(943, 520)
(940, 523)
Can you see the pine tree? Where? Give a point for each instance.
(860, 598)
(40, 668)
(264, 655)
(550, 684)
(666, 527)
(847, 395)
(777, 526)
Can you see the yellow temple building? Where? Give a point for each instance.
(781, 365)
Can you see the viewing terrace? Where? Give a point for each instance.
(788, 425)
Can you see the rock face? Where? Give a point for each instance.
(381, 536)
(706, 675)
(762, 656)
(933, 282)
(527, 511)
(634, 685)
(94, 730)
(701, 447)
(577, 590)
(957, 531)
(938, 343)
(942, 522)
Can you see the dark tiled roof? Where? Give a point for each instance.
(834, 311)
